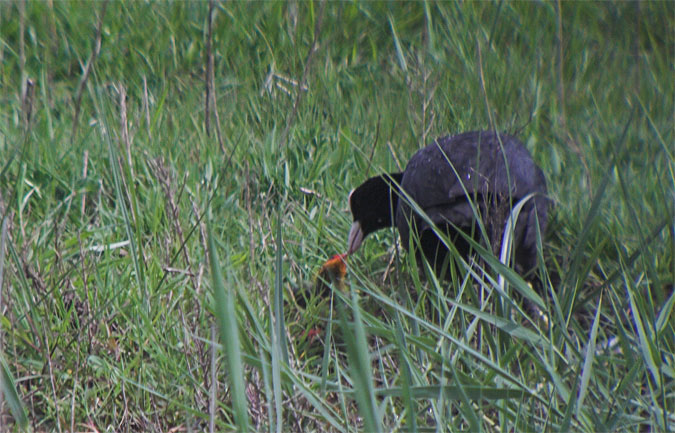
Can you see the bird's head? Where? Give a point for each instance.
(373, 205)
(333, 271)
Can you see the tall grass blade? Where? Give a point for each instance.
(644, 336)
(265, 368)
(280, 324)
(593, 212)
(326, 348)
(654, 235)
(455, 392)
(569, 410)
(430, 27)
(665, 316)
(360, 367)
(229, 333)
(3, 238)
(507, 241)
(397, 44)
(276, 378)
(507, 238)
(406, 376)
(132, 230)
(588, 360)
(466, 408)
(11, 396)
(317, 403)
(512, 328)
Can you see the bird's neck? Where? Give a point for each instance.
(393, 180)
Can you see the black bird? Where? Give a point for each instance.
(492, 171)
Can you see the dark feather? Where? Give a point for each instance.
(494, 170)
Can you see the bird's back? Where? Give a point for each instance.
(474, 161)
(481, 165)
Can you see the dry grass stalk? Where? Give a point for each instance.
(85, 164)
(87, 69)
(303, 82)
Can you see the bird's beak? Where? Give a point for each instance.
(355, 238)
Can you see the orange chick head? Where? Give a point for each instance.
(333, 271)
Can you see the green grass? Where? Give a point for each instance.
(112, 284)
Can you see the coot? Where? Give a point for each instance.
(491, 170)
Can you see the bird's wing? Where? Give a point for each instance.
(440, 176)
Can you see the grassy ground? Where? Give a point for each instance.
(115, 177)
